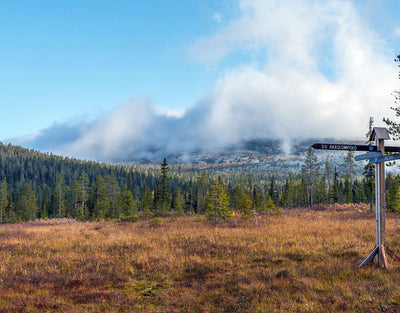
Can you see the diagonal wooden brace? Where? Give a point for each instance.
(370, 257)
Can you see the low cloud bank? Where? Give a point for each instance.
(324, 73)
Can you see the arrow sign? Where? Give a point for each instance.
(350, 147)
(368, 156)
(385, 158)
(339, 146)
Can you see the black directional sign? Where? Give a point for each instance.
(339, 146)
(350, 147)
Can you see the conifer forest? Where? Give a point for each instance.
(37, 185)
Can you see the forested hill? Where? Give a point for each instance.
(36, 184)
(42, 171)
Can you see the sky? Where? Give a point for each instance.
(116, 80)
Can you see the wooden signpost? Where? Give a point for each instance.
(377, 156)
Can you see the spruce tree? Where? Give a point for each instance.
(4, 194)
(147, 199)
(101, 204)
(84, 186)
(178, 201)
(288, 192)
(334, 191)
(349, 164)
(26, 206)
(392, 193)
(217, 202)
(243, 202)
(163, 193)
(201, 190)
(320, 190)
(74, 199)
(271, 207)
(125, 203)
(113, 191)
(59, 194)
(311, 168)
(273, 193)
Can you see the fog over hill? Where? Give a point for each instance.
(134, 133)
(268, 155)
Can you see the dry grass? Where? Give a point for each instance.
(300, 261)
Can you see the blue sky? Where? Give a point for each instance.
(63, 60)
(70, 69)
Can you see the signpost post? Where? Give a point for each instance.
(376, 155)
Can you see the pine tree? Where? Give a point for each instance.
(113, 191)
(311, 167)
(243, 202)
(147, 199)
(392, 193)
(4, 194)
(328, 173)
(321, 190)
(301, 190)
(271, 207)
(10, 216)
(162, 197)
(101, 204)
(288, 191)
(347, 191)
(359, 192)
(334, 192)
(349, 164)
(273, 193)
(178, 201)
(125, 203)
(26, 206)
(201, 190)
(129, 181)
(217, 202)
(75, 194)
(84, 186)
(59, 194)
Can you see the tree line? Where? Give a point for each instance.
(36, 185)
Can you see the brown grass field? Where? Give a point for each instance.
(299, 261)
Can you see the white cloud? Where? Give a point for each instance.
(111, 134)
(170, 112)
(326, 71)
